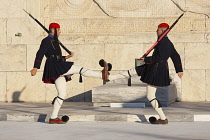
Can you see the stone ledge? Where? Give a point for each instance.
(84, 111)
(121, 93)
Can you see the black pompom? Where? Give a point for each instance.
(109, 66)
(65, 118)
(101, 62)
(152, 119)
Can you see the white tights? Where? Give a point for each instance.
(151, 90)
(123, 74)
(60, 85)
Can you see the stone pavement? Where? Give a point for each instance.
(104, 131)
(84, 111)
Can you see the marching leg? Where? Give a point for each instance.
(156, 105)
(104, 74)
(85, 72)
(60, 84)
(125, 74)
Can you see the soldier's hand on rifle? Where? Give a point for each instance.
(71, 55)
(142, 59)
(180, 74)
(33, 71)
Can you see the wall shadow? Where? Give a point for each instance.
(16, 95)
(83, 97)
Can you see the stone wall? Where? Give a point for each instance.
(118, 31)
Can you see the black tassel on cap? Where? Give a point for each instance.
(80, 75)
(129, 79)
(80, 78)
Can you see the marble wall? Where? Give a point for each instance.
(118, 31)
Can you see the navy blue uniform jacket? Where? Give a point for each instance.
(155, 71)
(53, 67)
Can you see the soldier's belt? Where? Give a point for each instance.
(140, 63)
(57, 57)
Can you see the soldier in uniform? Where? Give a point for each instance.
(155, 71)
(58, 71)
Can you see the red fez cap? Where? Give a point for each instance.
(163, 25)
(54, 25)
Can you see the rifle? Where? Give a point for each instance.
(43, 27)
(159, 39)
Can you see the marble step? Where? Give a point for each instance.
(121, 93)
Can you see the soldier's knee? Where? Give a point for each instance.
(157, 103)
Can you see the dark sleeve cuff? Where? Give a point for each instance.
(179, 68)
(37, 64)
